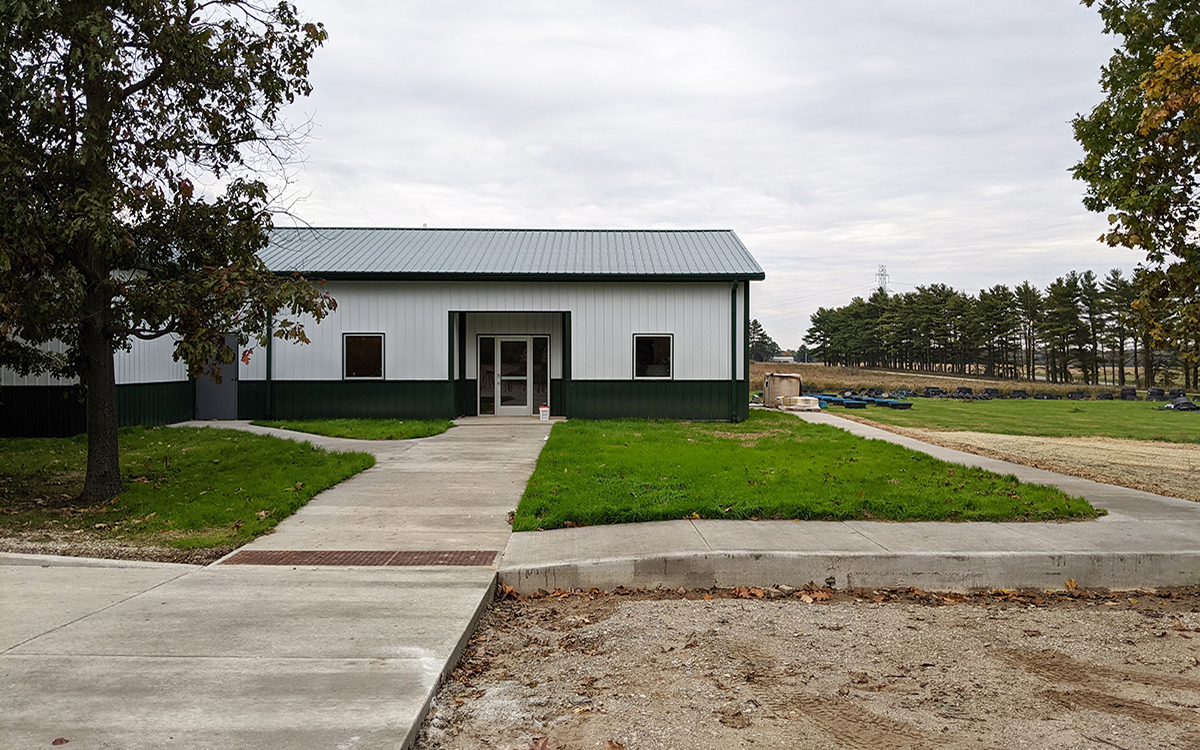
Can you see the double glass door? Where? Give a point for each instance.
(514, 375)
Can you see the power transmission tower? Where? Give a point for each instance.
(881, 279)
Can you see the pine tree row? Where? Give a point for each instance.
(1080, 328)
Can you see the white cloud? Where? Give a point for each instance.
(932, 137)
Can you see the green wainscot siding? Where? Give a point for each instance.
(60, 410)
(658, 399)
(42, 411)
(155, 403)
(253, 401)
(368, 399)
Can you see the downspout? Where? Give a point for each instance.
(450, 362)
(733, 347)
(270, 365)
(460, 387)
(745, 350)
(566, 363)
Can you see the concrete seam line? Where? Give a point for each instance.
(102, 609)
(699, 533)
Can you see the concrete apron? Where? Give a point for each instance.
(1145, 540)
(108, 654)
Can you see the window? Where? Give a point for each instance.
(363, 355)
(652, 356)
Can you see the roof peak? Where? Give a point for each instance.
(496, 229)
(511, 253)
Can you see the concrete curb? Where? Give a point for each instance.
(929, 570)
(485, 602)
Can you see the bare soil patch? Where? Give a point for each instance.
(860, 670)
(1162, 468)
(86, 543)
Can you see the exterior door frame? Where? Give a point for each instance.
(528, 409)
(522, 410)
(219, 401)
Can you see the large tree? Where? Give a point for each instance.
(1142, 157)
(136, 137)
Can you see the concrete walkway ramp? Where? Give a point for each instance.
(339, 641)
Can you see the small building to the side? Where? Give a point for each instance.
(453, 322)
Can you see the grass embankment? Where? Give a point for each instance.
(184, 487)
(771, 466)
(363, 429)
(1130, 420)
(834, 379)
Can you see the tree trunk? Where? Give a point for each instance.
(1148, 361)
(1121, 358)
(1136, 374)
(103, 480)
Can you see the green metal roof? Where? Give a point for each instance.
(511, 254)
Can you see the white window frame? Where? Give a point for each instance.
(671, 366)
(382, 355)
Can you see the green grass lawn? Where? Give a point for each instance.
(364, 429)
(1133, 420)
(771, 466)
(184, 487)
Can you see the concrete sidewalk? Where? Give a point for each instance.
(116, 655)
(1145, 540)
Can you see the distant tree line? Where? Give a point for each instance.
(1081, 328)
(762, 347)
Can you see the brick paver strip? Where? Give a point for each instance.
(362, 557)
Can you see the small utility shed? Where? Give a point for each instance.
(448, 322)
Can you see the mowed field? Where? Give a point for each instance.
(1133, 444)
(1126, 420)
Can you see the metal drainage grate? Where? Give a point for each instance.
(361, 557)
(455, 557)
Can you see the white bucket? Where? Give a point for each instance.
(544, 413)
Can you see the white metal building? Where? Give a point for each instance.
(449, 322)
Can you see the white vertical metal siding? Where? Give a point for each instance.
(149, 362)
(413, 316)
(145, 362)
(8, 377)
(522, 324)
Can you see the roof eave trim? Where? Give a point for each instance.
(395, 276)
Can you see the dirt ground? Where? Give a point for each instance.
(84, 543)
(1162, 468)
(820, 669)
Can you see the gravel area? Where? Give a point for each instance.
(860, 671)
(1162, 468)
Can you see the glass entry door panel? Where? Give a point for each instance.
(514, 376)
(487, 375)
(541, 372)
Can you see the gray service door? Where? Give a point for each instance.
(219, 401)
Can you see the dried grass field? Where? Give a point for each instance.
(840, 378)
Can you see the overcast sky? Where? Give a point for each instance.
(932, 137)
